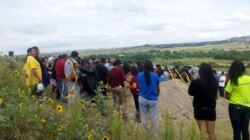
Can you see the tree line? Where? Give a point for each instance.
(171, 55)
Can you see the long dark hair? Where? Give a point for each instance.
(148, 67)
(139, 66)
(126, 67)
(133, 70)
(236, 70)
(208, 81)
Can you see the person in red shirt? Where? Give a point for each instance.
(60, 76)
(116, 78)
(134, 90)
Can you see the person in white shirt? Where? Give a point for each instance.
(222, 82)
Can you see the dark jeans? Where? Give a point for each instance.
(239, 116)
(137, 115)
(61, 89)
(221, 90)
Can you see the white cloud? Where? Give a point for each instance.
(57, 25)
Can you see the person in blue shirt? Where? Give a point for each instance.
(149, 91)
(217, 77)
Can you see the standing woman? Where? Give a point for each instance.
(204, 91)
(149, 91)
(238, 93)
(133, 86)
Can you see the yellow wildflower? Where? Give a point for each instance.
(90, 137)
(19, 91)
(83, 107)
(23, 92)
(17, 73)
(1, 100)
(29, 90)
(98, 115)
(59, 108)
(33, 97)
(105, 138)
(50, 100)
(93, 105)
(43, 120)
(86, 127)
(20, 106)
(83, 102)
(59, 128)
(109, 97)
(115, 112)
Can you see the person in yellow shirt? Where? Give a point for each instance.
(33, 71)
(238, 94)
(26, 71)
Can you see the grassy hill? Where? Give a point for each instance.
(236, 43)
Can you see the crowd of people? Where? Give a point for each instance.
(72, 77)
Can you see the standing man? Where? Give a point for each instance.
(222, 81)
(60, 76)
(12, 61)
(71, 76)
(102, 74)
(38, 59)
(34, 73)
(116, 80)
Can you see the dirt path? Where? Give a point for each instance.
(174, 99)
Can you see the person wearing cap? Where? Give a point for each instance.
(33, 73)
(12, 61)
(71, 76)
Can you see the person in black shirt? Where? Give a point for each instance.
(102, 75)
(204, 91)
(88, 78)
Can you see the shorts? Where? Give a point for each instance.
(52, 81)
(205, 114)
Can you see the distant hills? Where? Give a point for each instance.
(232, 43)
(243, 39)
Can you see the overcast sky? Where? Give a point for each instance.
(58, 25)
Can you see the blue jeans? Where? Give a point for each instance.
(73, 94)
(62, 87)
(239, 116)
(149, 108)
